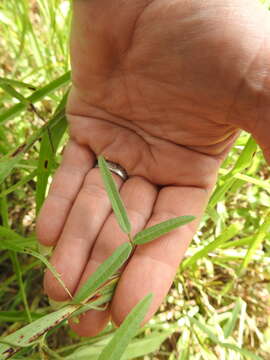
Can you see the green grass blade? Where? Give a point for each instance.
(108, 268)
(16, 83)
(49, 145)
(19, 184)
(35, 97)
(226, 345)
(117, 346)
(258, 239)
(230, 324)
(8, 163)
(138, 348)
(221, 191)
(247, 354)
(33, 331)
(14, 242)
(163, 228)
(17, 316)
(117, 204)
(245, 158)
(243, 161)
(10, 240)
(263, 184)
(43, 259)
(14, 93)
(18, 272)
(225, 236)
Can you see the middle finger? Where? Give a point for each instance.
(139, 196)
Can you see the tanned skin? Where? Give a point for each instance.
(161, 88)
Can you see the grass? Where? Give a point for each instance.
(218, 307)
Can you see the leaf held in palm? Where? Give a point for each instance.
(117, 204)
(163, 228)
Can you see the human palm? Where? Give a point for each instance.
(161, 88)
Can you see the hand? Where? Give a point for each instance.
(161, 88)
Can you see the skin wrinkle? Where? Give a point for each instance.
(159, 261)
(150, 147)
(141, 133)
(140, 13)
(232, 8)
(221, 155)
(150, 139)
(260, 124)
(128, 124)
(242, 82)
(182, 110)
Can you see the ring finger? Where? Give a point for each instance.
(88, 213)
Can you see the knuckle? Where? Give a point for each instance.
(95, 190)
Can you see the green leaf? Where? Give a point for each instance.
(10, 161)
(7, 165)
(49, 266)
(144, 346)
(163, 228)
(229, 233)
(226, 345)
(19, 184)
(16, 83)
(246, 353)
(31, 332)
(230, 324)
(14, 93)
(17, 316)
(35, 97)
(117, 204)
(105, 295)
(108, 268)
(14, 242)
(243, 161)
(123, 335)
(256, 242)
(49, 144)
(10, 240)
(137, 348)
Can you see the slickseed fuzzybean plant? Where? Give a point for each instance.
(218, 305)
(98, 289)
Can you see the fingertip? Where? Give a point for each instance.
(49, 224)
(119, 313)
(157, 279)
(118, 317)
(91, 323)
(54, 289)
(67, 181)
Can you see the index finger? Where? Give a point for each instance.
(153, 266)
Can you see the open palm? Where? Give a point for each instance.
(161, 88)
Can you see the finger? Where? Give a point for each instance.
(77, 161)
(153, 266)
(139, 197)
(90, 210)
